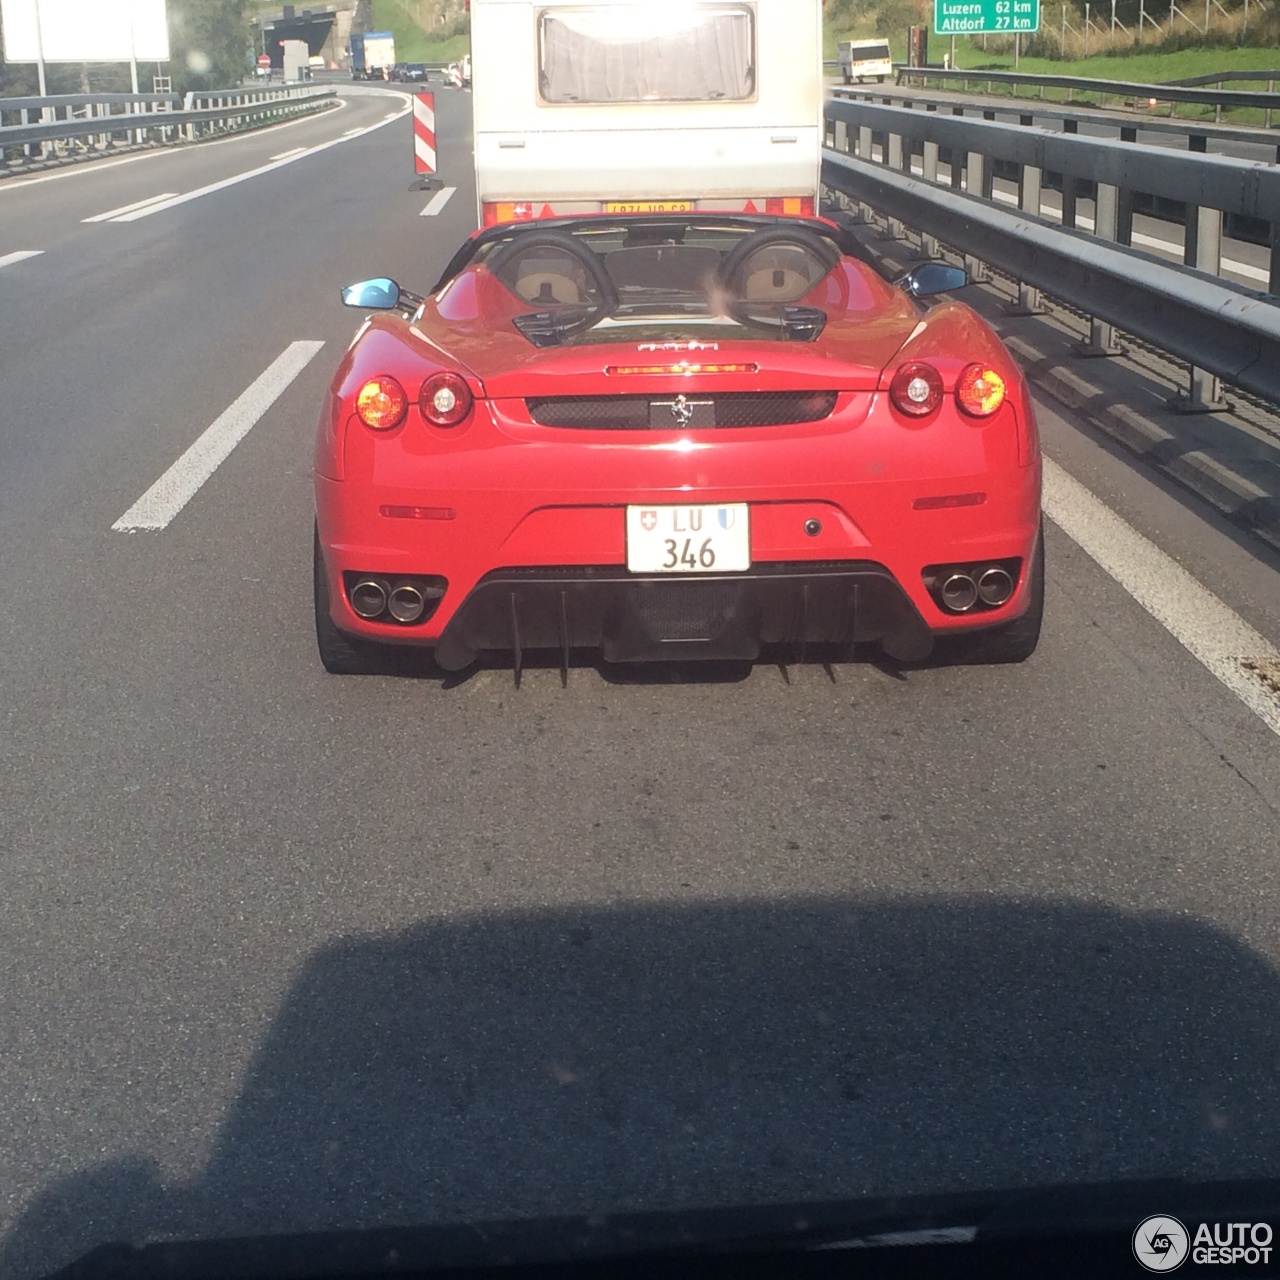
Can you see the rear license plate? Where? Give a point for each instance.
(701, 539)
(648, 206)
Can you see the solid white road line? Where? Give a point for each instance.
(261, 169)
(437, 202)
(284, 155)
(129, 208)
(158, 506)
(20, 255)
(1213, 633)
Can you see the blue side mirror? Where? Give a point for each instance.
(933, 277)
(372, 295)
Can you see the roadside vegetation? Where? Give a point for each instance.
(425, 30)
(1175, 41)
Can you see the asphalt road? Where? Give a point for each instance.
(284, 951)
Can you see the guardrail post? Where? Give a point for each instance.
(1102, 336)
(1070, 183)
(1029, 302)
(893, 158)
(1205, 392)
(977, 182)
(1273, 284)
(864, 153)
(929, 172)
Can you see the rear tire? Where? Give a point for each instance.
(1016, 641)
(340, 654)
(844, 72)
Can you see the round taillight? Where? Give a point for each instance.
(979, 390)
(916, 390)
(445, 399)
(381, 403)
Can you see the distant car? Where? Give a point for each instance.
(411, 71)
(674, 436)
(863, 59)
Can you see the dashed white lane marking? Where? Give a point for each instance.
(261, 169)
(129, 208)
(284, 155)
(158, 506)
(19, 256)
(1207, 628)
(437, 202)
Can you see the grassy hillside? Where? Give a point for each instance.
(413, 44)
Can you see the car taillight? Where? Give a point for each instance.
(979, 390)
(381, 403)
(916, 390)
(445, 399)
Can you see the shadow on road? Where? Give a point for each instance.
(630, 1057)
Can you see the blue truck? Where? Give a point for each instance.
(373, 54)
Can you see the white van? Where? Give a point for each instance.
(862, 59)
(660, 105)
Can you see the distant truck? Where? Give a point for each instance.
(372, 53)
(862, 59)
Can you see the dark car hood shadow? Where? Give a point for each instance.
(653, 1056)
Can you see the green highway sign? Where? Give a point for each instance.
(985, 17)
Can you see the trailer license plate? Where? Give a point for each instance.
(702, 539)
(648, 206)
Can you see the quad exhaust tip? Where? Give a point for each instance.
(959, 593)
(369, 598)
(995, 586)
(406, 603)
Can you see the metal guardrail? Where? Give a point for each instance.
(1195, 134)
(102, 119)
(1222, 330)
(1227, 77)
(1173, 94)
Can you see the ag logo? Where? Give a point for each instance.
(1160, 1243)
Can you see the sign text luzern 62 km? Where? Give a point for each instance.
(980, 17)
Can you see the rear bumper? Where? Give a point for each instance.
(638, 618)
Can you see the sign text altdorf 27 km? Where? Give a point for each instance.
(982, 17)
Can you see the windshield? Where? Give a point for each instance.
(652, 280)
(648, 53)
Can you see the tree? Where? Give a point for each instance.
(210, 45)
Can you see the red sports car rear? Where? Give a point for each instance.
(673, 438)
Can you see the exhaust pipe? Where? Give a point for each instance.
(406, 603)
(369, 598)
(959, 593)
(995, 586)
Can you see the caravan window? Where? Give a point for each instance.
(656, 52)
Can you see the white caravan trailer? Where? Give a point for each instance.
(660, 105)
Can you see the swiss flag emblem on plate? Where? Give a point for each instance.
(649, 519)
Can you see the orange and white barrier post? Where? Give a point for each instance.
(424, 132)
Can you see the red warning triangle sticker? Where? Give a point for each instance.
(751, 207)
(547, 212)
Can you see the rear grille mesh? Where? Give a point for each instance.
(643, 413)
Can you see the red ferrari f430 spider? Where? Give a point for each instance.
(675, 437)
